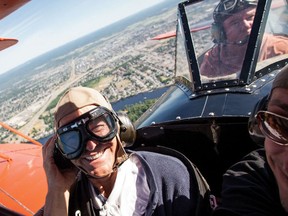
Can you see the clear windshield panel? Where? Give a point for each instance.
(200, 18)
(274, 44)
(182, 64)
(220, 33)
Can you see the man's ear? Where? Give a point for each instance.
(253, 128)
(217, 32)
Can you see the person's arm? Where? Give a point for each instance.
(59, 182)
(56, 203)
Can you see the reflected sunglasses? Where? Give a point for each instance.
(273, 126)
(99, 124)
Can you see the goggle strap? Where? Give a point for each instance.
(121, 154)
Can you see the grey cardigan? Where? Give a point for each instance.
(176, 187)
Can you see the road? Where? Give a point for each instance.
(27, 128)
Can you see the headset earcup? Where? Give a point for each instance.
(217, 32)
(253, 128)
(127, 130)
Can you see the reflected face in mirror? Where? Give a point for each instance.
(238, 26)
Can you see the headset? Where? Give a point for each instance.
(127, 129)
(222, 11)
(218, 33)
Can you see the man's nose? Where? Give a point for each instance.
(247, 23)
(91, 145)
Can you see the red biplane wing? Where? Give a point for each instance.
(7, 42)
(173, 33)
(164, 35)
(6, 8)
(23, 184)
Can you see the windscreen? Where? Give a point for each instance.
(225, 39)
(274, 45)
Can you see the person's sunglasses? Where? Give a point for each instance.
(273, 126)
(99, 125)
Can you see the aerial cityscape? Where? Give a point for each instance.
(119, 65)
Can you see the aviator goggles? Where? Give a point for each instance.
(273, 126)
(99, 124)
(227, 7)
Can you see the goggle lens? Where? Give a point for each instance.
(98, 125)
(273, 126)
(101, 126)
(70, 142)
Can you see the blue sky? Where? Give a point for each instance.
(42, 25)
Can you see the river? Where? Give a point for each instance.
(120, 105)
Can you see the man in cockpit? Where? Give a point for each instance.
(233, 20)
